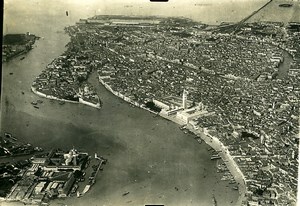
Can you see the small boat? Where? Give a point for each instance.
(214, 200)
(232, 182)
(182, 127)
(213, 157)
(22, 58)
(235, 188)
(79, 194)
(35, 106)
(34, 103)
(11, 73)
(286, 5)
(209, 148)
(39, 101)
(8, 135)
(126, 193)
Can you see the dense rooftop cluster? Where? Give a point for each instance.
(16, 44)
(258, 121)
(249, 79)
(65, 79)
(46, 176)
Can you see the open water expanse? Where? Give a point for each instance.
(148, 156)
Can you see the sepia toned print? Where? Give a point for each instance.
(150, 103)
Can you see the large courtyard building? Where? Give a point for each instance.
(58, 160)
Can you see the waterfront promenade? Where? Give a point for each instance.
(64, 100)
(212, 141)
(228, 159)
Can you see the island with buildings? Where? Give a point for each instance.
(65, 80)
(45, 176)
(236, 86)
(14, 45)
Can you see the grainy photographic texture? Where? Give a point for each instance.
(132, 102)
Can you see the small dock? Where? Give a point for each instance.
(92, 169)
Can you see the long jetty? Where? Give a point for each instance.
(239, 24)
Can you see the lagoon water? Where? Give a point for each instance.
(148, 156)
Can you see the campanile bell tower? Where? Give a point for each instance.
(184, 99)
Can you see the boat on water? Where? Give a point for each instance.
(199, 140)
(214, 157)
(209, 148)
(22, 58)
(285, 5)
(78, 194)
(214, 201)
(182, 127)
(34, 103)
(156, 115)
(9, 136)
(39, 101)
(232, 182)
(35, 106)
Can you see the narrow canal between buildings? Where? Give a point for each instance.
(284, 66)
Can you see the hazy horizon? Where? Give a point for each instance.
(50, 12)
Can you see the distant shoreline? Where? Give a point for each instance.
(17, 40)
